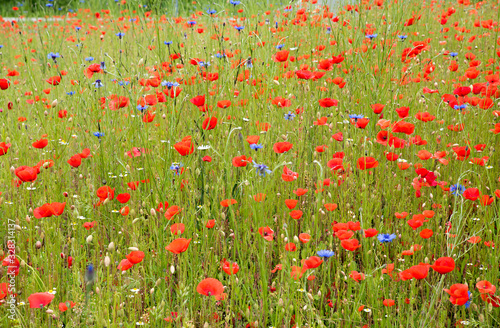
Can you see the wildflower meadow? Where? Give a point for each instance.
(250, 163)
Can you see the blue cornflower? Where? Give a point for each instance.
(457, 189)
(249, 62)
(1, 46)
(49, 5)
(453, 54)
(70, 93)
(402, 37)
(256, 146)
(98, 84)
(211, 11)
(261, 169)
(53, 56)
(460, 107)
(325, 254)
(122, 83)
(356, 117)
(120, 35)
(280, 46)
(90, 274)
(176, 167)
(89, 59)
(371, 36)
(142, 108)
(168, 43)
(78, 28)
(103, 65)
(239, 28)
(132, 19)
(99, 134)
(328, 30)
(386, 238)
(234, 3)
(203, 64)
(192, 23)
(169, 85)
(289, 116)
(219, 55)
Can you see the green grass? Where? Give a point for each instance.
(163, 282)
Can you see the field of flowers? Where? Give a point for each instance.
(251, 165)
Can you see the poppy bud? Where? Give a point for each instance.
(97, 290)
(65, 194)
(54, 103)
(295, 239)
(49, 311)
(10, 105)
(107, 261)
(27, 218)
(38, 245)
(46, 113)
(135, 220)
(172, 269)
(89, 239)
(111, 246)
(30, 211)
(18, 100)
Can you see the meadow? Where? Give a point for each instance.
(251, 164)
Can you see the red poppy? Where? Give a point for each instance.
(366, 163)
(230, 268)
(178, 246)
(241, 161)
(64, 306)
(471, 194)
(210, 287)
(370, 233)
(228, 202)
(313, 262)
(299, 192)
(267, 233)
(281, 56)
(296, 214)
(350, 244)
(282, 147)
(388, 302)
(135, 257)
(123, 198)
(26, 173)
(290, 247)
(4, 148)
(459, 294)
(419, 271)
(486, 287)
(328, 102)
(209, 123)
(357, 276)
(40, 144)
(124, 265)
(185, 147)
(105, 192)
(40, 300)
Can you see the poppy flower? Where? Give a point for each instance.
(172, 211)
(350, 244)
(282, 147)
(388, 302)
(40, 300)
(289, 175)
(370, 233)
(135, 257)
(241, 161)
(313, 262)
(290, 247)
(328, 102)
(299, 192)
(357, 276)
(281, 56)
(4, 148)
(210, 287)
(64, 306)
(365, 163)
(105, 192)
(210, 224)
(26, 173)
(291, 203)
(75, 160)
(185, 146)
(209, 123)
(40, 144)
(304, 238)
(471, 194)
(230, 268)
(267, 233)
(177, 228)
(419, 271)
(459, 294)
(486, 287)
(178, 246)
(260, 197)
(228, 202)
(124, 265)
(54, 80)
(123, 198)
(426, 233)
(296, 214)
(4, 84)
(331, 207)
